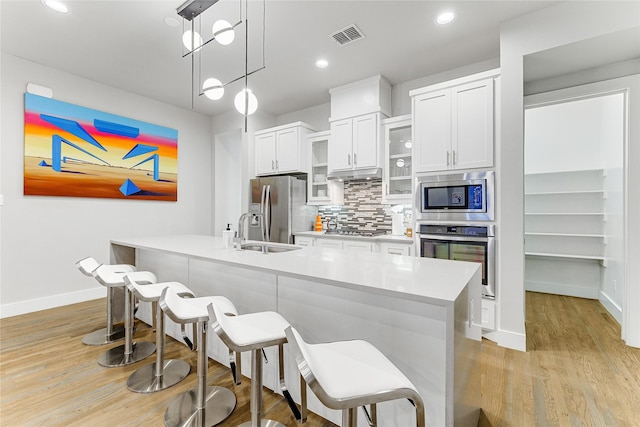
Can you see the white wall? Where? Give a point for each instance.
(43, 237)
(317, 116)
(555, 26)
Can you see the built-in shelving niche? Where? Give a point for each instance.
(565, 237)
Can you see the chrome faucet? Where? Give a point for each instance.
(240, 237)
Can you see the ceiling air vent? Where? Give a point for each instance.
(347, 35)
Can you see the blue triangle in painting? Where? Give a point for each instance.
(139, 150)
(43, 163)
(128, 188)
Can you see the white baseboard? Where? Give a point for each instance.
(614, 309)
(513, 340)
(562, 289)
(52, 301)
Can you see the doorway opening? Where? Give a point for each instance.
(575, 196)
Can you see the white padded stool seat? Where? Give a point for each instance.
(110, 276)
(249, 331)
(161, 374)
(348, 374)
(202, 406)
(253, 331)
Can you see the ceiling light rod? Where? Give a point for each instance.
(195, 48)
(204, 89)
(192, 8)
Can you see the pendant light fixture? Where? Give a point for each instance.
(224, 34)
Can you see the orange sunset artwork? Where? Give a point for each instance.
(75, 151)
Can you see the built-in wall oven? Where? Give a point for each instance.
(462, 242)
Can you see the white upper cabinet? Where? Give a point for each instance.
(397, 173)
(453, 124)
(320, 190)
(356, 113)
(355, 143)
(282, 149)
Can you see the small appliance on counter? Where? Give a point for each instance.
(397, 224)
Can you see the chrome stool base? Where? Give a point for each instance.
(144, 380)
(183, 411)
(100, 337)
(263, 423)
(115, 357)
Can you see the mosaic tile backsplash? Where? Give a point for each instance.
(363, 209)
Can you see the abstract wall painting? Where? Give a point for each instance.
(75, 151)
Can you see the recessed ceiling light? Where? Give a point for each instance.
(446, 18)
(322, 63)
(56, 6)
(172, 22)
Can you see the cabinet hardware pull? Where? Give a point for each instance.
(355, 159)
(273, 165)
(277, 164)
(447, 158)
(349, 159)
(454, 157)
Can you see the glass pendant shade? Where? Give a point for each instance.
(223, 32)
(213, 89)
(187, 40)
(246, 102)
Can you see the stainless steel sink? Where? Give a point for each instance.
(267, 248)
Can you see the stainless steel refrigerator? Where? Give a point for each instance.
(282, 201)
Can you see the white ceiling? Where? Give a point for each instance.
(126, 44)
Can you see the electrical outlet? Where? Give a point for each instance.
(615, 286)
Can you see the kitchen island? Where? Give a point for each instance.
(419, 312)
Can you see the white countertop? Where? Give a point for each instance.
(380, 238)
(430, 280)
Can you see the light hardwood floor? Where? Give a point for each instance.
(576, 372)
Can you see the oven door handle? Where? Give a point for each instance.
(454, 238)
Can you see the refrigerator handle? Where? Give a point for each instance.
(267, 214)
(263, 211)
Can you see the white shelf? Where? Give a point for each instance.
(400, 178)
(320, 165)
(319, 183)
(400, 156)
(551, 255)
(595, 236)
(566, 213)
(553, 193)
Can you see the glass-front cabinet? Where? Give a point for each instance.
(398, 161)
(321, 191)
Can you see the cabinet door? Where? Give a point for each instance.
(432, 131)
(265, 145)
(329, 243)
(395, 248)
(365, 141)
(305, 241)
(340, 145)
(472, 125)
(358, 246)
(287, 150)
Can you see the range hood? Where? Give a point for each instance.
(348, 175)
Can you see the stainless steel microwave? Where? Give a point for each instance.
(454, 197)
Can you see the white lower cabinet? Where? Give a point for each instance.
(305, 241)
(396, 248)
(357, 245)
(488, 314)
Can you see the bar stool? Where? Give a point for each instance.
(254, 331)
(203, 406)
(129, 352)
(88, 267)
(348, 374)
(162, 373)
